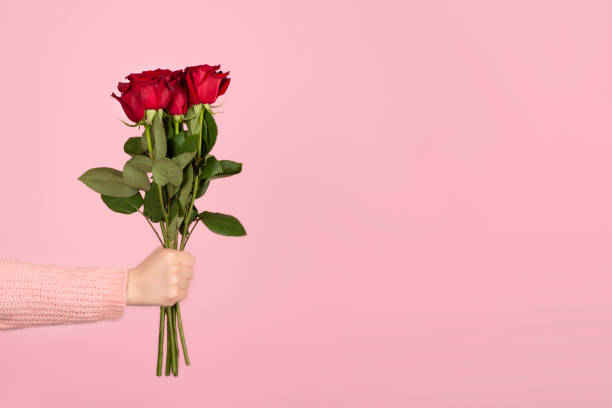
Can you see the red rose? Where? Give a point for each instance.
(178, 93)
(205, 84)
(130, 103)
(147, 90)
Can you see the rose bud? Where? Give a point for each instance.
(205, 84)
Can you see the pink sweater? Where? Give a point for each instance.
(36, 295)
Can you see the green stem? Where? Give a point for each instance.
(171, 340)
(172, 336)
(191, 231)
(188, 215)
(160, 345)
(149, 144)
(176, 127)
(175, 327)
(180, 326)
(163, 229)
(161, 200)
(152, 227)
(169, 348)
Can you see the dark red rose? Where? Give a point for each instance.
(147, 90)
(130, 102)
(152, 88)
(205, 84)
(178, 93)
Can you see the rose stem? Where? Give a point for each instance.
(183, 241)
(162, 310)
(180, 326)
(160, 345)
(178, 353)
(172, 311)
(169, 346)
(175, 316)
(171, 338)
(173, 348)
(175, 321)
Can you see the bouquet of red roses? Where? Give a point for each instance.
(175, 109)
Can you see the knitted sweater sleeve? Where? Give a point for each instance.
(36, 295)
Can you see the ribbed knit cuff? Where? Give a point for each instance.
(36, 295)
(113, 288)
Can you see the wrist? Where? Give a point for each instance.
(131, 296)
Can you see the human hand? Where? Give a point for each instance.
(162, 279)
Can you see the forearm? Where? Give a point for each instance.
(36, 295)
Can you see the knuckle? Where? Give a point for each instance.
(188, 258)
(173, 280)
(169, 255)
(187, 273)
(173, 293)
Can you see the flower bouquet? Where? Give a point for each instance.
(175, 109)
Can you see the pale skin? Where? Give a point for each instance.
(162, 279)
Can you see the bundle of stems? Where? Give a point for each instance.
(170, 316)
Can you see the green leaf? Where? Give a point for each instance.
(167, 171)
(135, 178)
(193, 115)
(182, 143)
(211, 168)
(184, 159)
(175, 218)
(211, 130)
(133, 146)
(175, 209)
(229, 168)
(204, 136)
(186, 186)
(195, 127)
(159, 136)
(172, 190)
(142, 163)
(143, 142)
(202, 187)
(107, 181)
(169, 129)
(123, 205)
(152, 205)
(222, 224)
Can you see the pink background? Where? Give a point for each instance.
(426, 191)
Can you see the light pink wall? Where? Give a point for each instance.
(426, 190)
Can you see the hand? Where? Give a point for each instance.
(162, 279)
